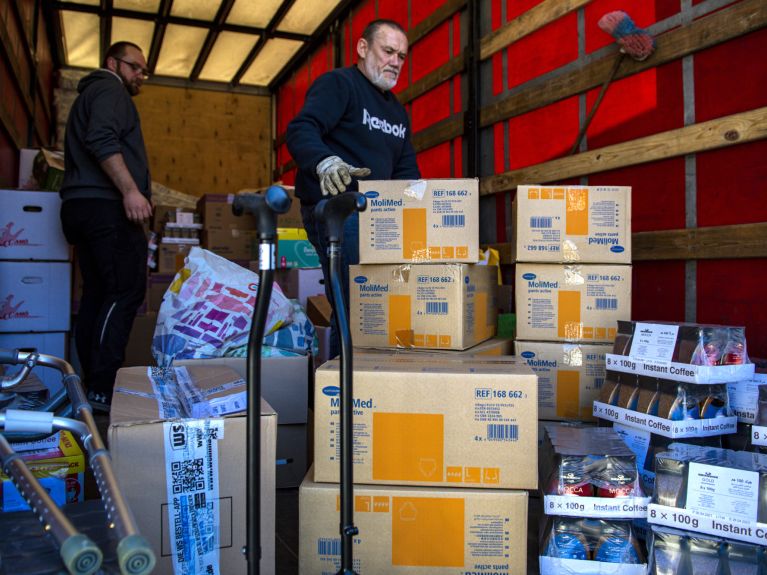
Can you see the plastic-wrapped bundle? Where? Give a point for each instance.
(696, 344)
(761, 414)
(677, 401)
(606, 541)
(591, 462)
(672, 474)
(674, 552)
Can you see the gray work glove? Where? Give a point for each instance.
(335, 175)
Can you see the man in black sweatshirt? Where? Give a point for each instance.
(352, 126)
(106, 197)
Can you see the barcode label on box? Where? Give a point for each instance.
(540, 222)
(436, 307)
(328, 546)
(453, 220)
(599, 382)
(610, 303)
(502, 432)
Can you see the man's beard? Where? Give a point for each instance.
(378, 79)
(133, 88)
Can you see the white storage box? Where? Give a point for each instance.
(35, 296)
(30, 226)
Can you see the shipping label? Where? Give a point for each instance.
(191, 467)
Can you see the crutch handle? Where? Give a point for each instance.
(334, 211)
(265, 207)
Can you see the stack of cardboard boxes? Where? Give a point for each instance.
(35, 276)
(225, 234)
(572, 248)
(177, 229)
(418, 285)
(443, 442)
(35, 290)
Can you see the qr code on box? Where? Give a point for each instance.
(187, 475)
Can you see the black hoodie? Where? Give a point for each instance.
(103, 122)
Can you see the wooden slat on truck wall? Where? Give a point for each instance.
(732, 22)
(722, 132)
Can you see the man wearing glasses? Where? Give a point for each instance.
(106, 198)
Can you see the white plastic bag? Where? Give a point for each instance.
(208, 309)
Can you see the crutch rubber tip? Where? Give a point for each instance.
(80, 555)
(135, 556)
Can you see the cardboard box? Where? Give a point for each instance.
(293, 457)
(232, 243)
(570, 376)
(35, 296)
(54, 344)
(174, 215)
(407, 221)
(30, 226)
(284, 382)
(294, 250)
(170, 257)
(493, 347)
(299, 283)
(216, 212)
(323, 336)
(438, 421)
(415, 531)
(167, 464)
(57, 462)
(576, 303)
(564, 224)
(138, 352)
(449, 306)
(319, 310)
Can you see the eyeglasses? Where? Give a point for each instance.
(135, 67)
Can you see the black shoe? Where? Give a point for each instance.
(100, 401)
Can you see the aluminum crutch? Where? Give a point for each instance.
(134, 554)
